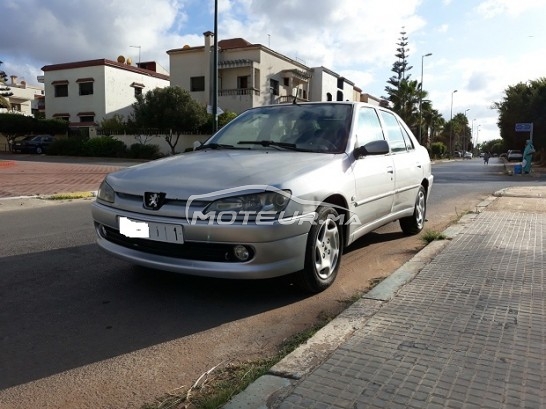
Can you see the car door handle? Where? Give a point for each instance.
(390, 169)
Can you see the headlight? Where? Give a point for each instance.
(106, 192)
(254, 203)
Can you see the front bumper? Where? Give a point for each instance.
(276, 249)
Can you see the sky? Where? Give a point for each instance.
(478, 47)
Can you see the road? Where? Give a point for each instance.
(80, 329)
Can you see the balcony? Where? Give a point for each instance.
(238, 91)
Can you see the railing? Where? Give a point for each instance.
(288, 99)
(239, 91)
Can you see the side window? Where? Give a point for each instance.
(369, 127)
(407, 139)
(394, 132)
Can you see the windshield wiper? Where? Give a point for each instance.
(285, 145)
(215, 146)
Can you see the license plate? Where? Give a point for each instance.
(168, 233)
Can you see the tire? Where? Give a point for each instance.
(414, 224)
(323, 252)
(39, 150)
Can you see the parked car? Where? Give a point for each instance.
(467, 155)
(514, 156)
(279, 190)
(33, 144)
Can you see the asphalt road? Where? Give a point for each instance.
(79, 326)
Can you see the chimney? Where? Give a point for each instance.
(13, 79)
(208, 38)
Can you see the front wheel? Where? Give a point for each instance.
(39, 150)
(415, 223)
(323, 252)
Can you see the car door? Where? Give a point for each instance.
(374, 175)
(408, 169)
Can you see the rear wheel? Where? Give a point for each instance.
(323, 252)
(415, 223)
(39, 150)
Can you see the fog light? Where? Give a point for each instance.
(241, 252)
(102, 230)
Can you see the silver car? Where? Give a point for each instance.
(279, 190)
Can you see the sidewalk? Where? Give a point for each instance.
(36, 175)
(461, 325)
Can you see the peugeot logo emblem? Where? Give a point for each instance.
(153, 200)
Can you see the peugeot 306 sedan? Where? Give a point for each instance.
(280, 190)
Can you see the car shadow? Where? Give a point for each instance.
(65, 308)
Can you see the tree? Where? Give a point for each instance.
(457, 132)
(14, 125)
(523, 103)
(171, 110)
(4, 90)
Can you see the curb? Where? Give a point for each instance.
(281, 379)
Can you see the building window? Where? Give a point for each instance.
(328, 96)
(138, 88)
(242, 82)
(16, 107)
(340, 82)
(286, 81)
(61, 90)
(62, 117)
(197, 84)
(86, 88)
(274, 87)
(86, 116)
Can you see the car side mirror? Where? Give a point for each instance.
(379, 147)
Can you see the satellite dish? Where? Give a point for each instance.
(186, 47)
(129, 61)
(121, 59)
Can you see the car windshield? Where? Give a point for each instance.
(302, 127)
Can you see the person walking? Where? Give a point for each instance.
(486, 157)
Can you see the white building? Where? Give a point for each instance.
(326, 85)
(251, 75)
(25, 99)
(86, 92)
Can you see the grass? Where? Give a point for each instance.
(68, 196)
(431, 235)
(219, 384)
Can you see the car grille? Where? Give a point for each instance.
(188, 250)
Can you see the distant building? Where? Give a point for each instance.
(251, 75)
(25, 99)
(327, 85)
(86, 92)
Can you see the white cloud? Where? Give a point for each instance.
(493, 8)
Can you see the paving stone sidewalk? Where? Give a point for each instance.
(468, 331)
(32, 178)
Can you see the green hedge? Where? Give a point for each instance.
(102, 146)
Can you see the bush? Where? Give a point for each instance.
(67, 147)
(105, 146)
(141, 151)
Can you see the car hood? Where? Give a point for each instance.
(207, 171)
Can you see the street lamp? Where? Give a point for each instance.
(421, 95)
(451, 126)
